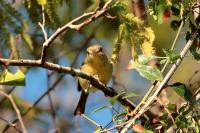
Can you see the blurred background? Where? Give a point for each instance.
(69, 50)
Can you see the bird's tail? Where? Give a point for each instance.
(80, 109)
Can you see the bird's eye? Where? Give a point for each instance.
(100, 49)
(87, 53)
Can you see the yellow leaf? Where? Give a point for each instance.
(97, 130)
(42, 2)
(146, 46)
(7, 78)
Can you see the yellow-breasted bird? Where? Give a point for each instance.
(97, 64)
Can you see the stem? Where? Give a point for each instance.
(173, 46)
(92, 121)
(163, 69)
(163, 83)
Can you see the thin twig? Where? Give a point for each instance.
(42, 25)
(16, 110)
(71, 25)
(90, 120)
(163, 69)
(85, 43)
(196, 93)
(116, 126)
(36, 102)
(10, 124)
(53, 112)
(173, 46)
(9, 92)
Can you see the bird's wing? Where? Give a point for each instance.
(79, 86)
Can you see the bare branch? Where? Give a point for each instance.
(10, 124)
(37, 101)
(51, 105)
(16, 110)
(71, 25)
(42, 25)
(68, 70)
(92, 121)
(8, 92)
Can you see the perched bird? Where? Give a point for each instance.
(97, 64)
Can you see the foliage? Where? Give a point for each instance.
(17, 79)
(181, 90)
(141, 39)
(172, 55)
(195, 46)
(22, 38)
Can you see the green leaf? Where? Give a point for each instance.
(160, 10)
(17, 79)
(171, 54)
(131, 94)
(149, 72)
(97, 130)
(101, 108)
(182, 90)
(163, 61)
(42, 2)
(119, 117)
(148, 131)
(144, 59)
(172, 107)
(114, 99)
(181, 122)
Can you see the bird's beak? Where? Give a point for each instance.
(93, 53)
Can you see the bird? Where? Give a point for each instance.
(97, 64)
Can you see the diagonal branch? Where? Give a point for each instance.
(36, 102)
(174, 67)
(9, 97)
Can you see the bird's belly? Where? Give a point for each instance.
(102, 73)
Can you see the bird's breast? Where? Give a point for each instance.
(102, 70)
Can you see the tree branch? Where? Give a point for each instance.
(9, 97)
(71, 25)
(68, 70)
(146, 106)
(36, 102)
(11, 124)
